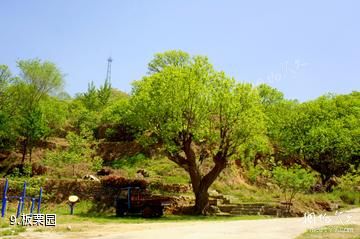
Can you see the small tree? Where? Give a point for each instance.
(292, 181)
(33, 128)
(80, 150)
(37, 80)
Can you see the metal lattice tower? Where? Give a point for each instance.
(108, 73)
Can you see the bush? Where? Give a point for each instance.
(349, 187)
(129, 161)
(350, 181)
(293, 180)
(253, 173)
(349, 197)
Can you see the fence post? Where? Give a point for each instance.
(4, 198)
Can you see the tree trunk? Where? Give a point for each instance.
(30, 152)
(201, 194)
(24, 151)
(200, 184)
(201, 202)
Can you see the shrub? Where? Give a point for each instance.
(349, 187)
(350, 181)
(293, 180)
(129, 161)
(349, 197)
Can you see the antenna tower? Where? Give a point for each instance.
(108, 73)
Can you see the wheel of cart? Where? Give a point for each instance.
(147, 212)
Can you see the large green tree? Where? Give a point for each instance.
(197, 114)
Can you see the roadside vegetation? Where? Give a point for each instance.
(333, 232)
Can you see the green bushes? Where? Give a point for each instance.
(293, 180)
(129, 161)
(348, 187)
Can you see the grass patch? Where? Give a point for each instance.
(13, 231)
(4, 223)
(159, 169)
(333, 232)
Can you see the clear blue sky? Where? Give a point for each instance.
(304, 48)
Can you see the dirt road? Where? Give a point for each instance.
(271, 228)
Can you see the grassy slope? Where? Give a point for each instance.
(229, 183)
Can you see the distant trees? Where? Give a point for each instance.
(322, 133)
(325, 134)
(97, 106)
(198, 114)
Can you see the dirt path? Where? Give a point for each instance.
(270, 228)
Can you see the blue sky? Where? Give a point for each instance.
(303, 48)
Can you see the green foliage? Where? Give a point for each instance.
(42, 77)
(348, 187)
(137, 159)
(172, 58)
(7, 123)
(350, 181)
(80, 151)
(293, 180)
(98, 106)
(159, 169)
(185, 102)
(27, 168)
(15, 173)
(33, 126)
(22, 114)
(55, 113)
(96, 99)
(116, 111)
(196, 100)
(325, 132)
(350, 197)
(255, 173)
(12, 231)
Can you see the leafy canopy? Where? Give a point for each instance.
(191, 99)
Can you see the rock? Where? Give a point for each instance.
(212, 210)
(91, 178)
(68, 228)
(213, 193)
